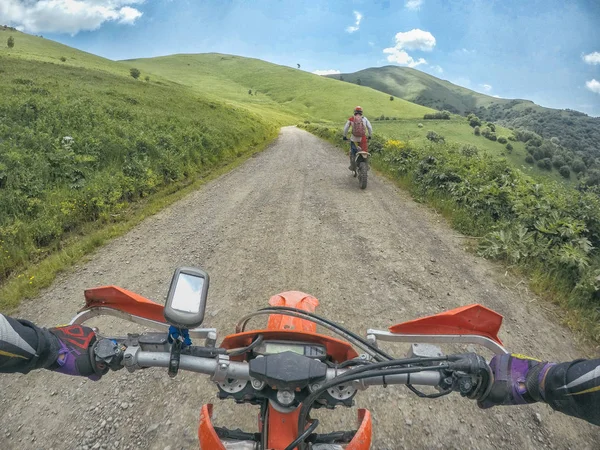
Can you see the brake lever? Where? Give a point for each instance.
(472, 365)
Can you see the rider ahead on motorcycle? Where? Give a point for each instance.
(571, 387)
(359, 125)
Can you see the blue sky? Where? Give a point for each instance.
(547, 51)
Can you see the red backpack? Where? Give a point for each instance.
(358, 127)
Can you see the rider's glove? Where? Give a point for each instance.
(76, 352)
(517, 380)
(345, 138)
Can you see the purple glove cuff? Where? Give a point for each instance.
(541, 378)
(519, 369)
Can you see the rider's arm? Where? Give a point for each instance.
(25, 347)
(574, 389)
(370, 128)
(346, 127)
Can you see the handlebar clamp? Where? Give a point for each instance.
(220, 374)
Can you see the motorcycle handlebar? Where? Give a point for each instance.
(221, 368)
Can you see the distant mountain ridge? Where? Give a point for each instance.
(575, 130)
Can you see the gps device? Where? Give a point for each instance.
(186, 301)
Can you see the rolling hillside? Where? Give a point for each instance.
(575, 130)
(295, 93)
(81, 140)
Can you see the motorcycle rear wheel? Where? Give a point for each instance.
(362, 174)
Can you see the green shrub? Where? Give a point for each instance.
(488, 134)
(578, 166)
(63, 59)
(469, 150)
(10, 43)
(476, 131)
(474, 121)
(545, 163)
(434, 137)
(502, 140)
(135, 73)
(440, 115)
(565, 171)
(529, 159)
(420, 125)
(509, 147)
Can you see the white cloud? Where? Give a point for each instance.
(437, 69)
(413, 5)
(497, 96)
(410, 40)
(399, 56)
(129, 15)
(358, 17)
(67, 16)
(593, 86)
(327, 72)
(486, 87)
(592, 58)
(415, 40)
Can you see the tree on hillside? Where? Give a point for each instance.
(10, 42)
(298, 65)
(135, 73)
(545, 164)
(359, 82)
(578, 166)
(147, 78)
(565, 171)
(474, 121)
(249, 91)
(341, 78)
(391, 98)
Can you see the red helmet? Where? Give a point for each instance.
(358, 110)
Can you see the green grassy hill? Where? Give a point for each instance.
(289, 95)
(575, 130)
(34, 48)
(81, 140)
(421, 88)
(292, 93)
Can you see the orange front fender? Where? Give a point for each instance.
(362, 438)
(206, 432)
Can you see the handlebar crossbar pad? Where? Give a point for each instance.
(287, 370)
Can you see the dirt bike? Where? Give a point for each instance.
(288, 368)
(360, 164)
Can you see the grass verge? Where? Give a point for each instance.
(41, 275)
(547, 233)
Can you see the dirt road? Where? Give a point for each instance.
(292, 218)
